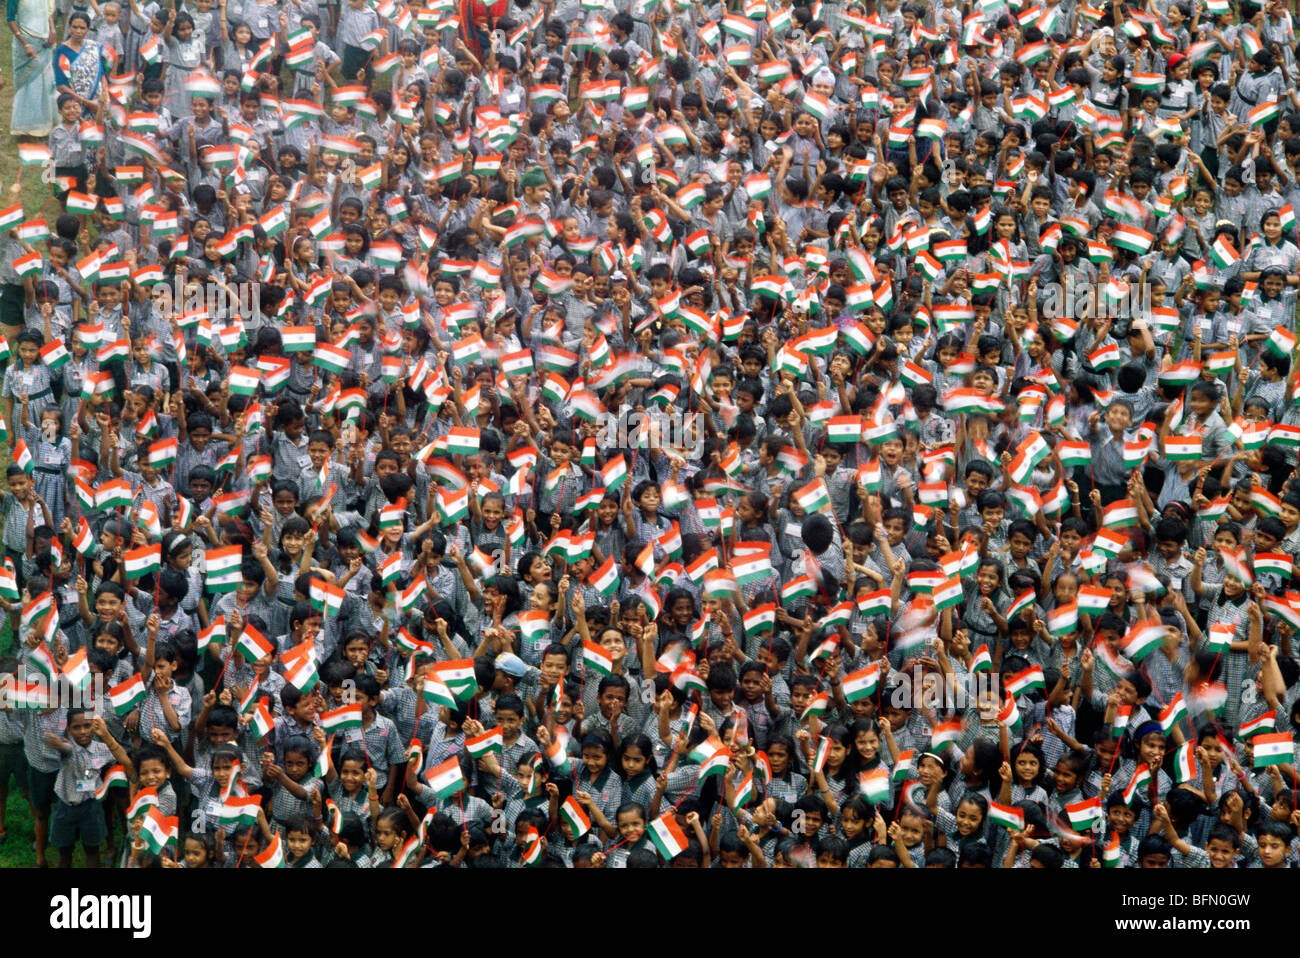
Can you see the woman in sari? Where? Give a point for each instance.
(32, 24)
(477, 18)
(79, 62)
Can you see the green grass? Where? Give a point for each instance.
(16, 851)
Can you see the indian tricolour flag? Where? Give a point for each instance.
(947, 594)
(1284, 609)
(844, 429)
(1183, 448)
(874, 785)
(159, 831)
(1120, 514)
(1140, 780)
(1276, 748)
(273, 855)
(325, 598)
(571, 812)
(38, 607)
(77, 669)
(435, 692)
(331, 358)
(128, 695)
(945, 734)
(243, 381)
(491, 741)
(1142, 639)
(163, 453)
(341, 719)
(1023, 601)
(1259, 724)
(253, 645)
(1185, 762)
(42, 660)
(605, 579)
(668, 836)
(458, 676)
(760, 619)
(1084, 814)
(1275, 563)
(1131, 238)
(1223, 253)
(114, 777)
(861, 684)
(1073, 454)
(34, 154)
(813, 497)
(1262, 114)
(222, 568)
(1281, 342)
(1093, 598)
(751, 568)
(614, 473)
(1122, 715)
(903, 766)
(462, 441)
(597, 658)
(1029, 680)
(298, 339)
(1172, 713)
(300, 671)
(1008, 816)
(446, 779)
(1105, 358)
(1111, 855)
(142, 562)
(879, 602)
(145, 799)
(1064, 619)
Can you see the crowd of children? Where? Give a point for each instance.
(630, 433)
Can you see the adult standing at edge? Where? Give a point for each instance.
(32, 24)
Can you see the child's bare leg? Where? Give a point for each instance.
(41, 826)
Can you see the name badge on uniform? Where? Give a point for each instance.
(87, 786)
(794, 530)
(353, 735)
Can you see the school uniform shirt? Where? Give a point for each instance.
(461, 808)
(511, 755)
(1238, 671)
(250, 761)
(152, 715)
(398, 702)
(285, 806)
(358, 804)
(79, 771)
(311, 484)
(39, 753)
(517, 802)
(383, 746)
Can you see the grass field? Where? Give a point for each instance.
(16, 851)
